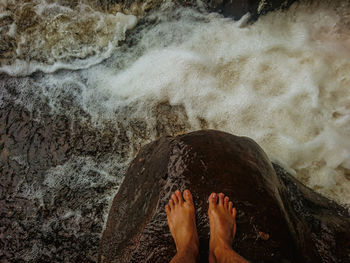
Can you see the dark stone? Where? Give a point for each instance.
(238, 8)
(28, 149)
(279, 219)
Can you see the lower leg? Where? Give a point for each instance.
(227, 255)
(222, 218)
(184, 257)
(182, 224)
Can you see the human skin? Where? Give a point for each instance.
(182, 224)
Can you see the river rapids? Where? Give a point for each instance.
(84, 86)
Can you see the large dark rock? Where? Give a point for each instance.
(279, 220)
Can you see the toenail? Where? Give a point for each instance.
(214, 195)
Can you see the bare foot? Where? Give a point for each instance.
(182, 224)
(222, 218)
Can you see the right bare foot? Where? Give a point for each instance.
(222, 218)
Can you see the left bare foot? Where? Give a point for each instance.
(182, 223)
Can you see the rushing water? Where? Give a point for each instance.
(100, 84)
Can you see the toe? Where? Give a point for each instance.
(234, 213)
(188, 196)
(221, 199)
(226, 202)
(230, 205)
(179, 196)
(171, 204)
(167, 210)
(213, 198)
(174, 198)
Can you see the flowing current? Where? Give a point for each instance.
(105, 81)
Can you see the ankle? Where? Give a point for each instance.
(188, 253)
(188, 249)
(220, 248)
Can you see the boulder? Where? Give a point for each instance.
(279, 219)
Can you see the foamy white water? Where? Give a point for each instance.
(102, 89)
(47, 36)
(283, 81)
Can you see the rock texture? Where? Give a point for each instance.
(236, 9)
(279, 220)
(59, 171)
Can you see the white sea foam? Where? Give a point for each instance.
(81, 173)
(283, 81)
(48, 36)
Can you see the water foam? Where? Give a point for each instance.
(282, 81)
(46, 37)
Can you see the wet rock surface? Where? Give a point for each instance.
(279, 220)
(44, 217)
(59, 171)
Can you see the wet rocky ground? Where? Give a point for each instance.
(59, 170)
(278, 220)
(58, 173)
(40, 222)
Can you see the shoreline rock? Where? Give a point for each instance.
(300, 225)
